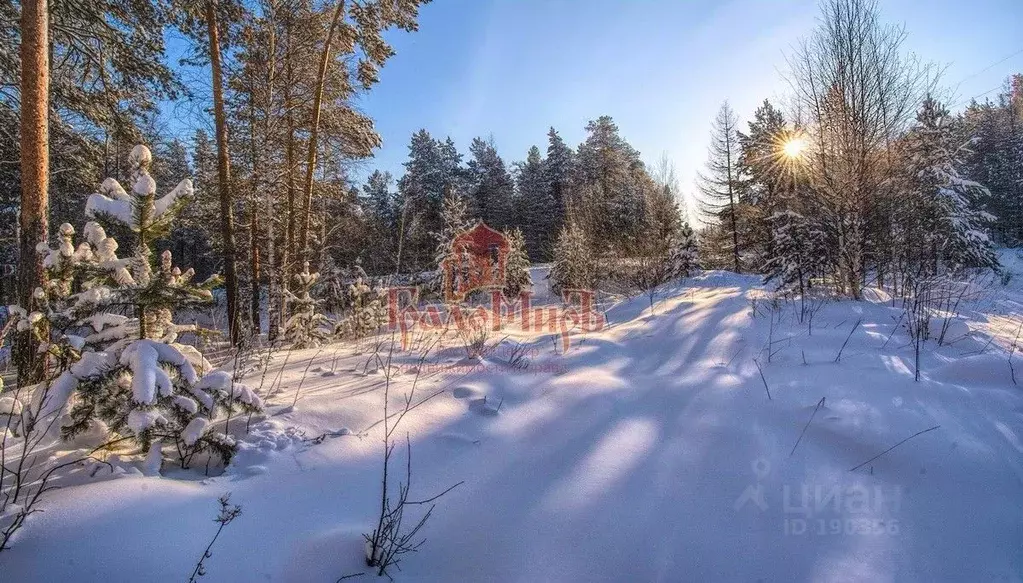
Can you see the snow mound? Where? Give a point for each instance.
(10, 406)
(264, 442)
(487, 408)
(981, 369)
(955, 329)
(466, 392)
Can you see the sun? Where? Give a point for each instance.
(794, 147)
(783, 159)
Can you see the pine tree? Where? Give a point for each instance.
(558, 168)
(491, 188)
(612, 185)
(130, 374)
(953, 231)
(768, 175)
(368, 311)
(358, 31)
(307, 327)
(455, 220)
(149, 219)
(994, 158)
(113, 92)
(382, 217)
(683, 254)
(97, 101)
(517, 278)
(208, 23)
(432, 170)
(35, 166)
(574, 266)
(761, 156)
(536, 208)
(721, 183)
(796, 252)
(378, 198)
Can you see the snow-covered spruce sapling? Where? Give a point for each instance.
(27, 464)
(795, 252)
(307, 327)
(516, 278)
(574, 266)
(111, 326)
(368, 311)
(682, 252)
(455, 220)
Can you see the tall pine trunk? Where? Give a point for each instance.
(223, 175)
(288, 253)
(272, 306)
(731, 211)
(254, 258)
(315, 130)
(35, 162)
(254, 261)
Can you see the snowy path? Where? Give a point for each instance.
(628, 464)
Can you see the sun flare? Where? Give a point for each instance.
(794, 147)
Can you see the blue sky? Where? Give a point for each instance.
(661, 68)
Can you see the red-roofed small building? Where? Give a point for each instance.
(477, 261)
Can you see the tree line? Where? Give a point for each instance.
(88, 81)
(274, 162)
(602, 186)
(866, 178)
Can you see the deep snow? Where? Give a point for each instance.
(648, 452)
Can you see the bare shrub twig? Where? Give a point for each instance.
(807, 426)
(893, 447)
(226, 516)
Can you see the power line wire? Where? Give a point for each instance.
(969, 99)
(989, 67)
(982, 71)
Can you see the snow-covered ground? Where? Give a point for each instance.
(649, 451)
